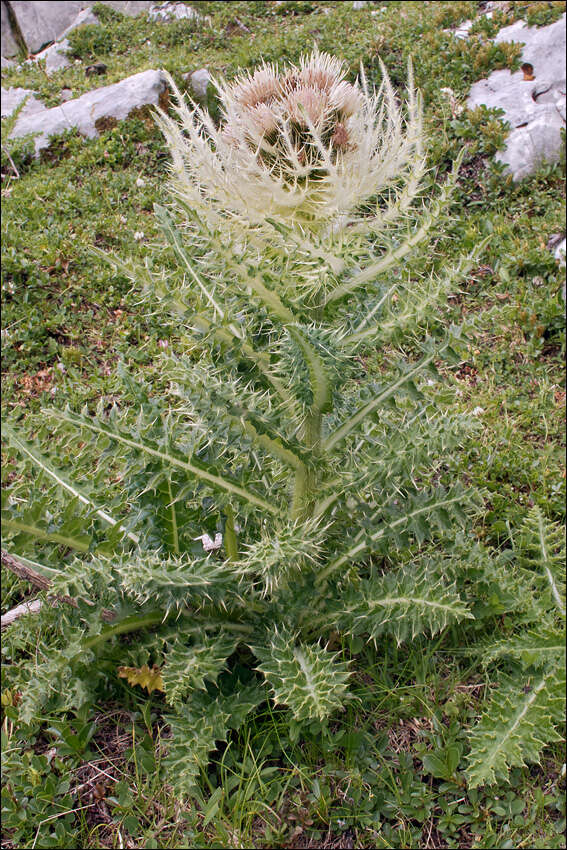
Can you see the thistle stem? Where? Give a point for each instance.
(304, 486)
(230, 542)
(144, 621)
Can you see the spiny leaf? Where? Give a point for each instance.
(187, 667)
(144, 676)
(535, 647)
(522, 717)
(308, 679)
(435, 506)
(403, 603)
(543, 547)
(194, 466)
(196, 727)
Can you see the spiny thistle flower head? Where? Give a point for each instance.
(301, 143)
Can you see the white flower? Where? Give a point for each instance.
(140, 182)
(478, 411)
(139, 235)
(302, 143)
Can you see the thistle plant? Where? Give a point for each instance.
(276, 502)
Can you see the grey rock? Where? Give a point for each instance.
(560, 251)
(43, 23)
(55, 56)
(95, 110)
(534, 108)
(9, 43)
(544, 47)
(86, 16)
(98, 69)
(11, 99)
(132, 8)
(199, 81)
(528, 147)
(462, 31)
(66, 94)
(7, 63)
(359, 4)
(172, 11)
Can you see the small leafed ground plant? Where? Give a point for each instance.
(275, 507)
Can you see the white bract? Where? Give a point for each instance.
(302, 142)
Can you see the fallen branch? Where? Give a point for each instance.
(25, 608)
(27, 573)
(24, 571)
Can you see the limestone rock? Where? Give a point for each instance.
(86, 16)
(9, 43)
(55, 56)
(462, 31)
(534, 108)
(544, 47)
(172, 11)
(560, 251)
(199, 81)
(42, 23)
(6, 63)
(11, 99)
(96, 110)
(130, 7)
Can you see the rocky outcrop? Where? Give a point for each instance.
(94, 111)
(11, 99)
(199, 82)
(173, 12)
(55, 56)
(10, 46)
(534, 102)
(42, 23)
(29, 26)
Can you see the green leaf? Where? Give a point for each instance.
(403, 603)
(308, 679)
(535, 647)
(350, 424)
(542, 544)
(42, 463)
(197, 726)
(520, 719)
(80, 542)
(425, 505)
(443, 763)
(187, 667)
(194, 466)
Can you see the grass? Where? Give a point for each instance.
(391, 776)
